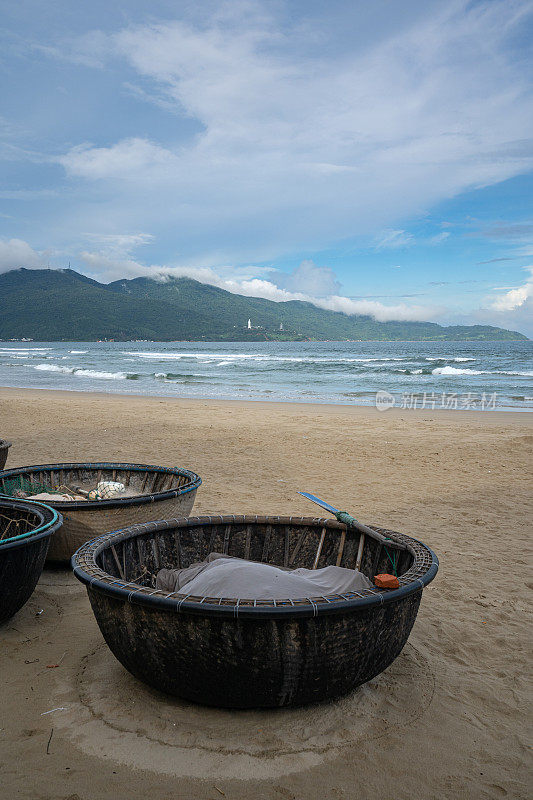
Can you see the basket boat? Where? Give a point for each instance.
(25, 531)
(4, 447)
(243, 653)
(162, 491)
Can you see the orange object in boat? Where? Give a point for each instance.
(385, 581)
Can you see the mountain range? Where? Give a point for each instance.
(61, 304)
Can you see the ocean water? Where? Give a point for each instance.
(462, 375)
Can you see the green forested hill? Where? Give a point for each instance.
(52, 305)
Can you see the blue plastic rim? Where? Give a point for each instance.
(50, 520)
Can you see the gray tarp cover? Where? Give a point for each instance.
(225, 576)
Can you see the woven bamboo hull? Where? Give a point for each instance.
(159, 492)
(244, 653)
(80, 526)
(20, 570)
(22, 561)
(254, 663)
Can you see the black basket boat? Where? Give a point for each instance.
(239, 652)
(25, 531)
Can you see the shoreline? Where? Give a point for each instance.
(521, 338)
(341, 408)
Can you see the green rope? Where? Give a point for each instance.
(344, 516)
(391, 561)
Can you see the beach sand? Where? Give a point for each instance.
(446, 720)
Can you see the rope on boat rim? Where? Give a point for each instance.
(393, 562)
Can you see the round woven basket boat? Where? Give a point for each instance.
(162, 491)
(4, 447)
(239, 652)
(25, 531)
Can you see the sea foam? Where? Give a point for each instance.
(457, 371)
(494, 373)
(83, 373)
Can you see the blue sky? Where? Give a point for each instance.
(374, 157)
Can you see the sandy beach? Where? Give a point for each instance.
(447, 720)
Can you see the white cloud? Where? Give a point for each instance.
(257, 287)
(15, 253)
(380, 311)
(439, 238)
(391, 239)
(121, 160)
(108, 268)
(511, 309)
(298, 145)
(113, 259)
(90, 50)
(308, 283)
(309, 278)
(119, 244)
(516, 297)
(270, 291)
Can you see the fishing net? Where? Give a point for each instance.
(22, 487)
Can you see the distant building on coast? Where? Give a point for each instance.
(251, 327)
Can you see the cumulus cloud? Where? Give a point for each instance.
(511, 307)
(308, 282)
(113, 259)
(16, 253)
(107, 268)
(380, 311)
(297, 145)
(515, 297)
(258, 287)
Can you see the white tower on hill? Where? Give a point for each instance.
(249, 324)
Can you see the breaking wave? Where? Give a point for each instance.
(79, 372)
(326, 372)
(494, 373)
(456, 371)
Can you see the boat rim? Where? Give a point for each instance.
(85, 568)
(115, 502)
(45, 528)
